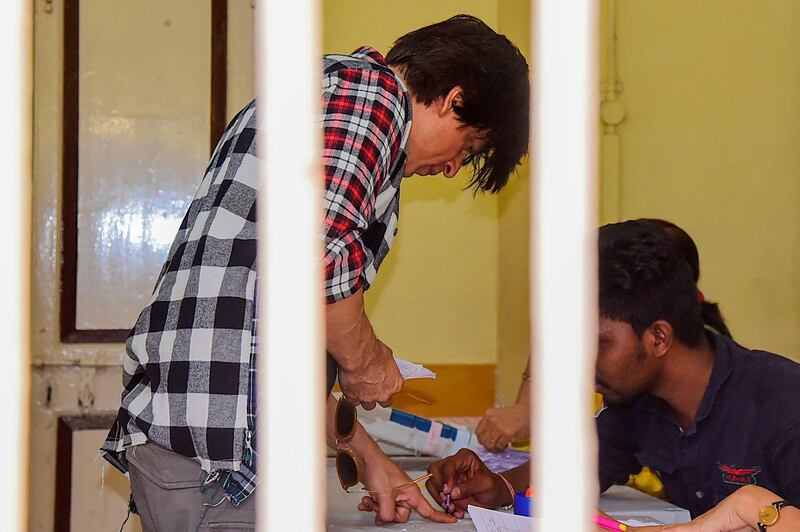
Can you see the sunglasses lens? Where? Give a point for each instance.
(347, 469)
(345, 419)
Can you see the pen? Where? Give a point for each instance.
(447, 504)
(609, 524)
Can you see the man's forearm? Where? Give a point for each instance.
(350, 338)
(524, 394)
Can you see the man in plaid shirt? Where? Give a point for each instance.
(445, 95)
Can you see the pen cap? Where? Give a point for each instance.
(523, 505)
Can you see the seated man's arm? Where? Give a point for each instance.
(467, 480)
(502, 426)
(738, 511)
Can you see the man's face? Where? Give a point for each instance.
(439, 142)
(624, 370)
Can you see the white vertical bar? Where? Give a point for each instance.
(291, 495)
(15, 220)
(563, 247)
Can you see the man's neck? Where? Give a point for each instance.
(685, 378)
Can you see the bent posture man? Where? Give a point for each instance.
(446, 94)
(705, 413)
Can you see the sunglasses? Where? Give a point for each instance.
(348, 465)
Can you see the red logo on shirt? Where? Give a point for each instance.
(739, 475)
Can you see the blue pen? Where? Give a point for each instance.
(447, 504)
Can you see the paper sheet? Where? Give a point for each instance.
(409, 370)
(640, 520)
(633, 507)
(494, 521)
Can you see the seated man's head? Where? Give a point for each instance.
(470, 89)
(648, 307)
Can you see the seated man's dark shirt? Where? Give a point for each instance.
(746, 431)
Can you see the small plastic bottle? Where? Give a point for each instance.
(416, 433)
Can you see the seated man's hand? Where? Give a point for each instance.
(376, 382)
(468, 481)
(737, 512)
(381, 475)
(500, 427)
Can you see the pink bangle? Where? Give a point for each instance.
(510, 490)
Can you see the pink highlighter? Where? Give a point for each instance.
(609, 524)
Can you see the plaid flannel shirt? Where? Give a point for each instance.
(188, 374)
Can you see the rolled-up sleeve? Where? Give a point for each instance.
(363, 115)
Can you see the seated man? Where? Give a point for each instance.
(502, 426)
(705, 413)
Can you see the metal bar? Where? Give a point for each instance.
(563, 255)
(291, 421)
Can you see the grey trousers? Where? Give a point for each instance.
(170, 497)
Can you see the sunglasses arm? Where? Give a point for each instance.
(330, 421)
(401, 487)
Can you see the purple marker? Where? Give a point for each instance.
(447, 504)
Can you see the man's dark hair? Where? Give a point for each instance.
(463, 51)
(709, 310)
(644, 278)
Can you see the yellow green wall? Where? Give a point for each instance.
(435, 299)
(711, 141)
(513, 319)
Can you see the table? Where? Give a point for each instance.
(343, 514)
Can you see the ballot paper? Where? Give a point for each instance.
(494, 521)
(409, 370)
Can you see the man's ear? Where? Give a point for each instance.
(658, 338)
(454, 98)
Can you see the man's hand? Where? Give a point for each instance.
(738, 512)
(381, 475)
(468, 481)
(368, 373)
(500, 427)
(376, 381)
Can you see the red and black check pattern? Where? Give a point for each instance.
(366, 120)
